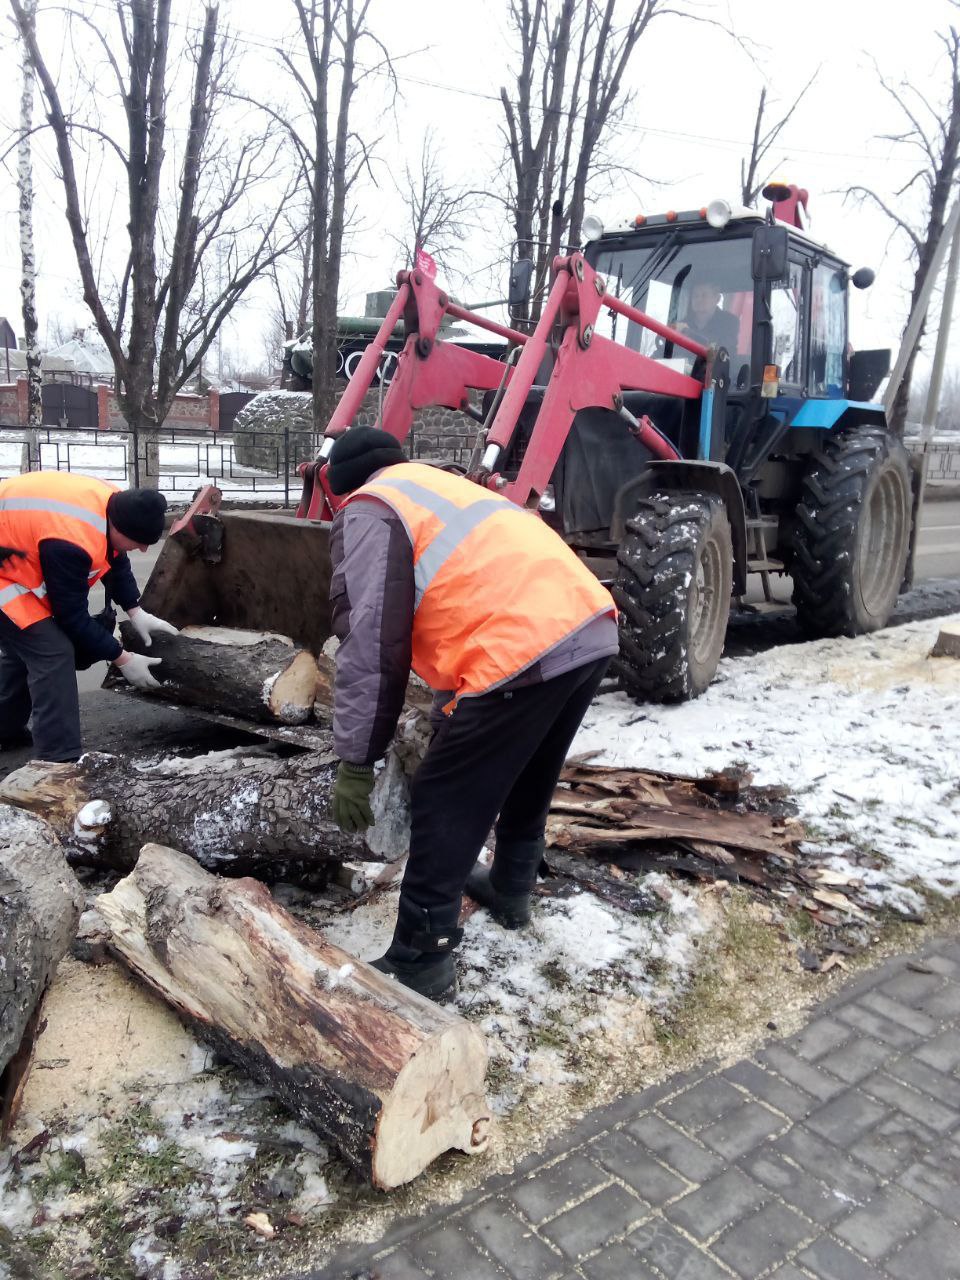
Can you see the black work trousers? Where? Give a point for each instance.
(37, 675)
(493, 764)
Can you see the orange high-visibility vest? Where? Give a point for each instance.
(495, 588)
(48, 504)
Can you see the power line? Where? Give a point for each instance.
(249, 40)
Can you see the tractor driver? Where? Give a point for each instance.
(488, 604)
(706, 321)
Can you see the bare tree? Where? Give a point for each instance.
(753, 171)
(568, 92)
(933, 131)
(28, 259)
(332, 157)
(160, 313)
(439, 216)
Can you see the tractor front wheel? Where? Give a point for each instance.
(674, 579)
(852, 533)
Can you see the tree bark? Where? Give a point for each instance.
(255, 675)
(40, 904)
(389, 1077)
(233, 814)
(28, 257)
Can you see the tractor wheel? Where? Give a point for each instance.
(852, 533)
(673, 591)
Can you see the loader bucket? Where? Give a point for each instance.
(270, 572)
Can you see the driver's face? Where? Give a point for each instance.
(704, 300)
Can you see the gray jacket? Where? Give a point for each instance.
(372, 605)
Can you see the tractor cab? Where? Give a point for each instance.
(700, 272)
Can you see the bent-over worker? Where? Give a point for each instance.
(59, 534)
(490, 606)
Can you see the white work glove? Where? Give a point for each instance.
(135, 669)
(145, 624)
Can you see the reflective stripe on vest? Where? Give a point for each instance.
(457, 523)
(40, 505)
(60, 508)
(494, 588)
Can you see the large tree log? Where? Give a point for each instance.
(389, 1077)
(40, 904)
(235, 814)
(254, 675)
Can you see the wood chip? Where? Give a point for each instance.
(261, 1224)
(831, 898)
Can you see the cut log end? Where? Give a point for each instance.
(948, 643)
(290, 694)
(437, 1104)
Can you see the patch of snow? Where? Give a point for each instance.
(185, 766)
(95, 813)
(862, 733)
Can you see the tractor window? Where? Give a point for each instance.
(828, 337)
(786, 305)
(702, 287)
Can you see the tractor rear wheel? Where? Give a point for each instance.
(852, 533)
(674, 579)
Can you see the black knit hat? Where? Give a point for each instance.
(357, 454)
(138, 514)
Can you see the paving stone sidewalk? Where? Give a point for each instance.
(834, 1154)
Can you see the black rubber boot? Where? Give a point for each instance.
(421, 954)
(505, 888)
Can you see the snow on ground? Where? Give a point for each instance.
(865, 734)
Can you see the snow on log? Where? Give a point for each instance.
(236, 814)
(256, 675)
(40, 904)
(392, 1079)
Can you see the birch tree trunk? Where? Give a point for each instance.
(28, 261)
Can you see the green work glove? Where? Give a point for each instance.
(351, 797)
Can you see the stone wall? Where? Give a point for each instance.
(261, 423)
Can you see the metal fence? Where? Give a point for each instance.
(247, 466)
(944, 461)
(252, 466)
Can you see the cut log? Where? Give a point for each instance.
(392, 1079)
(235, 814)
(948, 642)
(255, 675)
(40, 904)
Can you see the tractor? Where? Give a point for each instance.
(686, 412)
(677, 452)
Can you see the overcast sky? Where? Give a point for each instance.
(696, 94)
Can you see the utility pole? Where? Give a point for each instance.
(943, 336)
(911, 334)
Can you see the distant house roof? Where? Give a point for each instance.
(83, 358)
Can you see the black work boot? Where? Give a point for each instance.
(506, 886)
(421, 954)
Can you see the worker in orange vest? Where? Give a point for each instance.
(496, 613)
(59, 534)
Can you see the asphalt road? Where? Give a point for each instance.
(112, 722)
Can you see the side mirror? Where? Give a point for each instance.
(863, 278)
(770, 253)
(521, 273)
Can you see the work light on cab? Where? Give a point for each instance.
(719, 213)
(591, 228)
